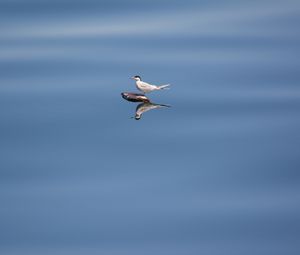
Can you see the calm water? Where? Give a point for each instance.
(217, 173)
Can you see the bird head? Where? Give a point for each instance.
(136, 77)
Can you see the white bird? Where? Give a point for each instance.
(146, 87)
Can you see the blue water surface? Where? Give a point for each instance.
(217, 173)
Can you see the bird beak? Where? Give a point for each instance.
(131, 78)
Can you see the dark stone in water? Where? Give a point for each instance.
(134, 97)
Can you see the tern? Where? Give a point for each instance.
(146, 87)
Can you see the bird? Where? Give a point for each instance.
(146, 87)
(144, 107)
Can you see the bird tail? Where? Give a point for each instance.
(164, 86)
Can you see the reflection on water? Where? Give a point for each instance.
(144, 107)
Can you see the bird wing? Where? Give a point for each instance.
(147, 85)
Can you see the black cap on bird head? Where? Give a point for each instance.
(136, 77)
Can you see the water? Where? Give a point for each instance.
(216, 173)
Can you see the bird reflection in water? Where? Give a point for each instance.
(143, 107)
